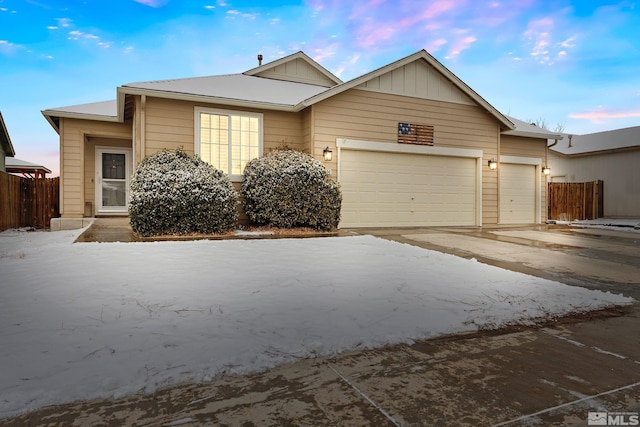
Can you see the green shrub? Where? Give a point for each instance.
(289, 189)
(174, 193)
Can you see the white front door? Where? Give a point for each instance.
(112, 180)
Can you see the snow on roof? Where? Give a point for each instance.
(12, 162)
(599, 141)
(236, 87)
(104, 108)
(530, 130)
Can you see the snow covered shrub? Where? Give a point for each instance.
(287, 188)
(174, 193)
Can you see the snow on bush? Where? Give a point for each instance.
(287, 188)
(174, 193)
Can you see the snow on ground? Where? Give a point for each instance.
(631, 225)
(88, 320)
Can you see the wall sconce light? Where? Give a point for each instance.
(546, 170)
(327, 154)
(493, 165)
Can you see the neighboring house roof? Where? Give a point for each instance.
(261, 88)
(5, 141)
(600, 142)
(531, 130)
(14, 165)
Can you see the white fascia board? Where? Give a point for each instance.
(534, 161)
(207, 99)
(352, 144)
(533, 134)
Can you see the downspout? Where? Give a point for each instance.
(546, 152)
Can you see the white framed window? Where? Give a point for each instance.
(228, 139)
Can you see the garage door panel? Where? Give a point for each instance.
(396, 189)
(517, 194)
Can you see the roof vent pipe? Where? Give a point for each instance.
(259, 59)
(570, 137)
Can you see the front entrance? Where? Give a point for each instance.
(112, 180)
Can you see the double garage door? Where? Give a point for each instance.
(382, 189)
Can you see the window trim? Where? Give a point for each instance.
(225, 112)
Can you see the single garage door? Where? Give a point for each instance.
(381, 189)
(517, 194)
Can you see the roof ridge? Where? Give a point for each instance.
(182, 78)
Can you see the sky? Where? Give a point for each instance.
(568, 63)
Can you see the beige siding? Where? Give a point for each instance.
(168, 125)
(532, 148)
(372, 116)
(171, 124)
(73, 155)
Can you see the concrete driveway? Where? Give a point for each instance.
(604, 259)
(555, 374)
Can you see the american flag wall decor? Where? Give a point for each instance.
(409, 133)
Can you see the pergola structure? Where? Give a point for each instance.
(26, 169)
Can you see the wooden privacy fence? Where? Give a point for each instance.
(26, 202)
(570, 201)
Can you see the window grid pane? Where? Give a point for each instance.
(228, 142)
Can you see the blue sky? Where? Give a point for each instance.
(574, 63)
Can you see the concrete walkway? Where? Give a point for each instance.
(554, 375)
(551, 375)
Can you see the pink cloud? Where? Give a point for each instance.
(378, 21)
(601, 114)
(435, 45)
(461, 45)
(152, 3)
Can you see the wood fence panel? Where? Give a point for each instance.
(570, 201)
(26, 202)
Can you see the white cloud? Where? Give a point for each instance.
(64, 22)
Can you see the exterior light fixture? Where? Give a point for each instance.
(546, 170)
(327, 154)
(493, 165)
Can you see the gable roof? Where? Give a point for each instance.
(278, 68)
(5, 141)
(262, 87)
(420, 55)
(598, 142)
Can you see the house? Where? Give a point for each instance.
(6, 148)
(612, 157)
(26, 169)
(411, 143)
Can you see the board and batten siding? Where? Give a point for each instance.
(73, 154)
(297, 71)
(534, 148)
(374, 116)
